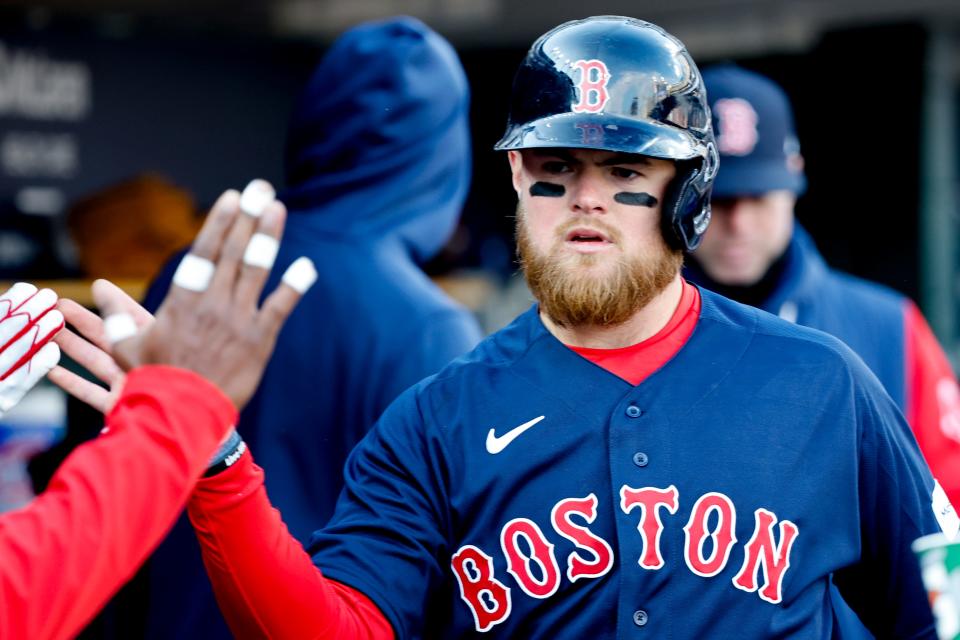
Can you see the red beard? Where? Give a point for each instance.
(573, 296)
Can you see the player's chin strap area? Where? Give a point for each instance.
(227, 455)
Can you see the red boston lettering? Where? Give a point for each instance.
(709, 538)
(650, 499)
(577, 565)
(487, 597)
(774, 558)
(722, 537)
(541, 552)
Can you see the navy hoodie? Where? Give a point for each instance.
(378, 167)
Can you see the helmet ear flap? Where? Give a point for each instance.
(686, 207)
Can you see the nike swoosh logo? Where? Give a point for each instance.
(496, 444)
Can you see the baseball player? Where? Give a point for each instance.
(189, 371)
(755, 252)
(633, 456)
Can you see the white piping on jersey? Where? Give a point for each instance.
(788, 311)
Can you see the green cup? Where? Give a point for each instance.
(940, 565)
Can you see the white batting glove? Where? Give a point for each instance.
(28, 322)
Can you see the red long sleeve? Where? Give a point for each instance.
(109, 504)
(933, 403)
(265, 582)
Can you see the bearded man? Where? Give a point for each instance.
(632, 457)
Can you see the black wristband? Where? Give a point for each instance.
(227, 455)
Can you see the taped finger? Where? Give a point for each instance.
(119, 326)
(261, 251)
(194, 273)
(259, 255)
(123, 300)
(300, 275)
(256, 197)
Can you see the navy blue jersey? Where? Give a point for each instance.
(867, 317)
(525, 492)
(881, 326)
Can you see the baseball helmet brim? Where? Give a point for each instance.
(605, 132)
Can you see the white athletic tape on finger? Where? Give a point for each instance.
(300, 275)
(255, 197)
(261, 251)
(119, 326)
(26, 377)
(194, 273)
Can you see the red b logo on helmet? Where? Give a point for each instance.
(592, 86)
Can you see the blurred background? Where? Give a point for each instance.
(120, 122)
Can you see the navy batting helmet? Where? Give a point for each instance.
(621, 84)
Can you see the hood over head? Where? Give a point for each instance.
(379, 143)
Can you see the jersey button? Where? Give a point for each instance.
(634, 411)
(640, 459)
(640, 617)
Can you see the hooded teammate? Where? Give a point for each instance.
(633, 456)
(378, 167)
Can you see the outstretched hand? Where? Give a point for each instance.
(209, 322)
(91, 349)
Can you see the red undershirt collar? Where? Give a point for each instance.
(636, 362)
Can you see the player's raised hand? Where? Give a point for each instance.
(210, 322)
(90, 348)
(28, 323)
